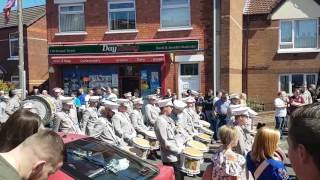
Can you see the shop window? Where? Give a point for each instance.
(122, 15)
(14, 46)
(71, 18)
(295, 34)
(290, 82)
(175, 13)
(189, 70)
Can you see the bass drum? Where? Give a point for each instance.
(44, 106)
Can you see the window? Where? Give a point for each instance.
(14, 45)
(189, 70)
(72, 18)
(289, 82)
(175, 13)
(122, 15)
(295, 34)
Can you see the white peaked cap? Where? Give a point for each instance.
(111, 105)
(138, 101)
(189, 100)
(94, 98)
(180, 105)
(251, 112)
(165, 102)
(66, 100)
(240, 111)
(17, 91)
(27, 105)
(57, 90)
(5, 97)
(234, 96)
(152, 96)
(195, 93)
(124, 102)
(128, 94)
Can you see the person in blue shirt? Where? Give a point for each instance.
(82, 96)
(264, 161)
(221, 109)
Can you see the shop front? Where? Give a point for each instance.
(140, 68)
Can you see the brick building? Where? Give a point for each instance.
(134, 45)
(35, 47)
(281, 47)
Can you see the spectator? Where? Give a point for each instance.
(110, 96)
(263, 162)
(208, 106)
(243, 98)
(221, 109)
(306, 95)
(18, 127)
(218, 96)
(226, 163)
(3, 104)
(304, 140)
(296, 100)
(199, 110)
(115, 91)
(37, 157)
(35, 92)
(45, 93)
(280, 104)
(313, 91)
(76, 100)
(169, 94)
(158, 93)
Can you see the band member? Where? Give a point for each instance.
(122, 122)
(90, 117)
(184, 129)
(137, 118)
(128, 96)
(14, 102)
(165, 132)
(108, 111)
(152, 111)
(193, 117)
(66, 120)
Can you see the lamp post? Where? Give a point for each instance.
(22, 73)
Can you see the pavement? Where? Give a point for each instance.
(264, 117)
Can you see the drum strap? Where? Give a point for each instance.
(260, 169)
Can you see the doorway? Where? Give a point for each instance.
(130, 84)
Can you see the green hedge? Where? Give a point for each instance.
(6, 86)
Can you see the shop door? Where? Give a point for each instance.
(189, 77)
(130, 84)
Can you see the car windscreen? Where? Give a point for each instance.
(90, 158)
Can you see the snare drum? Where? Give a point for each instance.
(204, 138)
(142, 145)
(206, 131)
(204, 123)
(198, 145)
(152, 138)
(190, 160)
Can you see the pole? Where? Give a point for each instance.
(22, 80)
(214, 46)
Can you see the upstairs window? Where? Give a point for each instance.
(290, 82)
(71, 18)
(14, 45)
(175, 13)
(295, 34)
(122, 15)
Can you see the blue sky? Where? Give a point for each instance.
(26, 3)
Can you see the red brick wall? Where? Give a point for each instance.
(265, 64)
(37, 53)
(148, 23)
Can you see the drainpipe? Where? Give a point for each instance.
(245, 63)
(216, 47)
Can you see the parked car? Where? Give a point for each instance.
(90, 158)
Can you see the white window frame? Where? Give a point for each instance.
(122, 10)
(73, 12)
(188, 5)
(188, 76)
(290, 80)
(10, 40)
(293, 49)
(14, 77)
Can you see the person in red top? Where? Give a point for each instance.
(296, 100)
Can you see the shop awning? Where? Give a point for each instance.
(146, 58)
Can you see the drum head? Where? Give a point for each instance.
(204, 123)
(190, 151)
(204, 137)
(141, 143)
(197, 145)
(42, 107)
